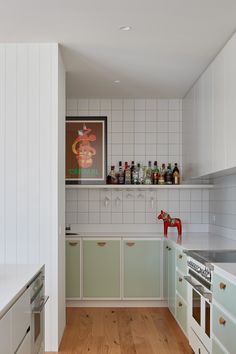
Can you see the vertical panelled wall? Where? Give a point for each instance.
(30, 189)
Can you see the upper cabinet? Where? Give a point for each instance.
(209, 124)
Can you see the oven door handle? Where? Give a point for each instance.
(39, 308)
(199, 288)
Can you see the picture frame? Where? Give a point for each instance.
(86, 150)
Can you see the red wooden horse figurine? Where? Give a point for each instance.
(172, 222)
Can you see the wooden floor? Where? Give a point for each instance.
(122, 331)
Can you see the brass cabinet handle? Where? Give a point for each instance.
(180, 304)
(180, 256)
(180, 279)
(130, 244)
(222, 286)
(101, 244)
(222, 321)
(167, 247)
(73, 243)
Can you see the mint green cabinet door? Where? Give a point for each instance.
(101, 269)
(224, 292)
(165, 270)
(142, 268)
(181, 313)
(216, 349)
(73, 269)
(171, 278)
(224, 329)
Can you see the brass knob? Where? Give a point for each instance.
(180, 279)
(222, 321)
(101, 244)
(73, 243)
(180, 256)
(167, 247)
(222, 286)
(130, 244)
(180, 304)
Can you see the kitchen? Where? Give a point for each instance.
(95, 251)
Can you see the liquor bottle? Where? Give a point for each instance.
(120, 174)
(141, 174)
(127, 174)
(132, 171)
(169, 176)
(155, 173)
(148, 174)
(162, 174)
(135, 177)
(176, 175)
(112, 178)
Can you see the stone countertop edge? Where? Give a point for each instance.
(14, 280)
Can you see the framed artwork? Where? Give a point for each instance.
(86, 150)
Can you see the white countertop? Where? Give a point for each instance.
(14, 279)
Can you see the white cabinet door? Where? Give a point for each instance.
(230, 101)
(25, 347)
(5, 334)
(218, 114)
(21, 318)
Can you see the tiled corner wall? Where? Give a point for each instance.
(223, 206)
(95, 210)
(138, 129)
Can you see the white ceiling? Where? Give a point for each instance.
(170, 44)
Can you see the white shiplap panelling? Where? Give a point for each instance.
(29, 173)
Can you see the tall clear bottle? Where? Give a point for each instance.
(162, 174)
(140, 174)
(120, 175)
(155, 173)
(148, 174)
(127, 174)
(135, 177)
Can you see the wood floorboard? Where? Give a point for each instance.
(122, 331)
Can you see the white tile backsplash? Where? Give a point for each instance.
(140, 130)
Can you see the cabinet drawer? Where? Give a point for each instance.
(216, 349)
(181, 261)
(181, 285)
(224, 292)
(21, 318)
(5, 334)
(181, 313)
(224, 329)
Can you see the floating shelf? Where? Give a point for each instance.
(138, 186)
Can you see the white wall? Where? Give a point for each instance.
(223, 206)
(138, 129)
(29, 169)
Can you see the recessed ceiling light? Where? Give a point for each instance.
(125, 28)
(116, 81)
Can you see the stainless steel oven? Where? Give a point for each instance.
(38, 301)
(200, 309)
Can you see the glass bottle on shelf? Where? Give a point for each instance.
(140, 174)
(132, 171)
(148, 174)
(120, 175)
(112, 177)
(127, 174)
(135, 177)
(169, 174)
(176, 175)
(162, 174)
(155, 173)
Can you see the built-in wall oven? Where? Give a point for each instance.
(38, 301)
(200, 309)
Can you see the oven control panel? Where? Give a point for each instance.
(202, 271)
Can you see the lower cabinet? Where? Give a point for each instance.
(224, 329)
(5, 334)
(181, 313)
(171, 278)
(73, 269)
(101, 268)
(142, 273)
(25, 347)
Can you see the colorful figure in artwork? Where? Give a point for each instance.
(170, 222)
(85, 152)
